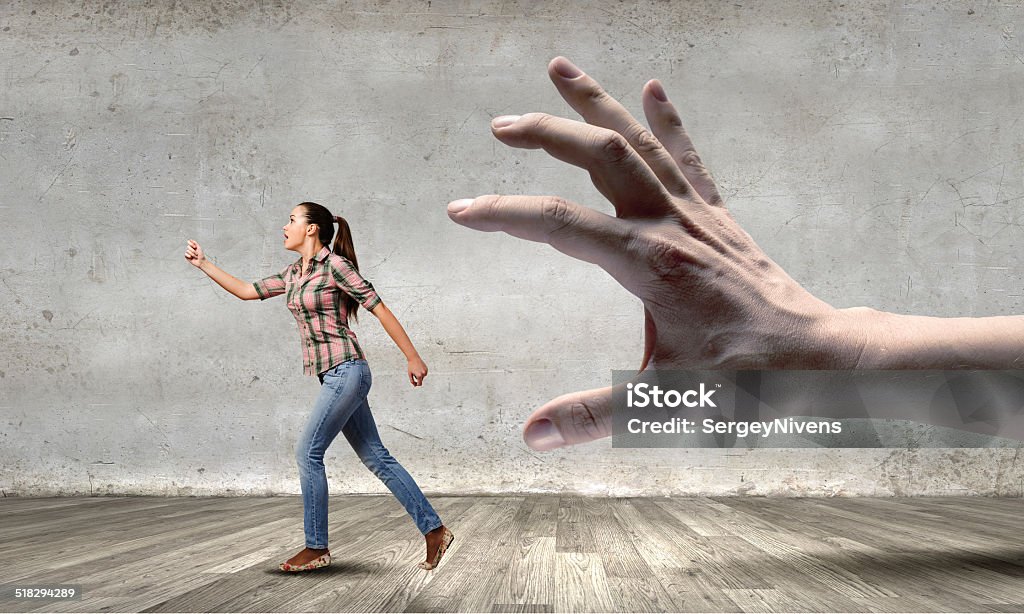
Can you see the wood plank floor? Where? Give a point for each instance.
(530, 553)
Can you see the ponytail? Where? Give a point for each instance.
(344, 248)
(343, 242)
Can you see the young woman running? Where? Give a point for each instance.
(323, 290)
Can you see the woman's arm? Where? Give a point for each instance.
(243, 290)
(417, 368)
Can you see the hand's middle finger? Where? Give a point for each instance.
(586, 96)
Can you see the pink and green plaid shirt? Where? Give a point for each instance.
(316, 302)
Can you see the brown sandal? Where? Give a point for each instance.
(446, 539)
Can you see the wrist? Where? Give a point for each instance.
(890, 340)
(851, 332)
(822, 338)
(812, 336)
(793, 329)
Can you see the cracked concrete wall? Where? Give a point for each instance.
(872, 149)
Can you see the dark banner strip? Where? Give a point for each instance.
(797, 409)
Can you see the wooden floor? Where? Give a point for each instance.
(539, 553)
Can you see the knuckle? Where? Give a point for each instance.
(614, 147)
(646, 142)
(585, 422)
(594, 93)
(680, 187)
(668, 258)
(556, 213)
(692, 160)
(539, 122)
(495, 206)
(490, 212)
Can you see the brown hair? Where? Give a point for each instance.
(324, 219)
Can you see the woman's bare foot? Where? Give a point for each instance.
(438, 541)
(307, 555)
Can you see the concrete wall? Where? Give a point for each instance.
(873, 149)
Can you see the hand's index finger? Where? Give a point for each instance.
(580, 232)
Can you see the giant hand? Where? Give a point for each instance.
(712, 298)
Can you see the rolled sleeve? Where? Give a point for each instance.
(354, 284)
(270, 286)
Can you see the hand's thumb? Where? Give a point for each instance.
(570, 419)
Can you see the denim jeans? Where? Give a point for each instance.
(342, 407)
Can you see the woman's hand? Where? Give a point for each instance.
(194, 254)
(417, 368)
(417, 371)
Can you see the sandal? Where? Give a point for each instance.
(446, 539)
(322, 561)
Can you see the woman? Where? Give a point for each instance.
(323, 290)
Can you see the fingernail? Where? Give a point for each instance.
(505, 120)
(658, 91)
(459, 205)
(542, 435)
(567, 69)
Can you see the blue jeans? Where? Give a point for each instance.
(342, 407)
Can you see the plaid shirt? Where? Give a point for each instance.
(316, 302)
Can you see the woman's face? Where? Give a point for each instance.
(296, 230)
